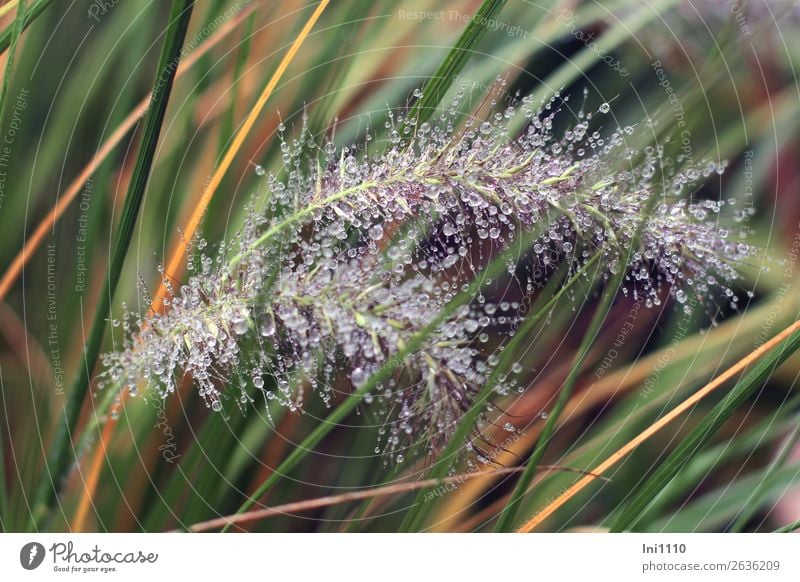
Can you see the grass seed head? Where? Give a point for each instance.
(357, 251)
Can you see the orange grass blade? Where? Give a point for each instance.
(629, 447)
(179, 250)
(6, 8)
(13, 271)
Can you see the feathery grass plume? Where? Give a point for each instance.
(358, 251)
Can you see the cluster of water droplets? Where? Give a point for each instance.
(357, 252)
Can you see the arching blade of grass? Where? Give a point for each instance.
(61, 456)
(458, 56)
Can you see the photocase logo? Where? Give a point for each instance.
(31, 555)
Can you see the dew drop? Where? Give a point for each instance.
(376, 232)
(358, 377)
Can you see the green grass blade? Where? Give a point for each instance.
(756, 498)
(506, 519)
(437, 87)
(712, 511)
(7, 36)
(416, 515)
(795, 525)
(5, 514)
(693, 443)
(741, 446)
(16, 31)
(228, 126)
(60, 457)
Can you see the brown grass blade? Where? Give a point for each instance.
(319, 502)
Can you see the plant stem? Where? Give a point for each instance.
(17, 28)
(505, 522)
(458, 56)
